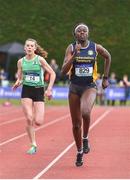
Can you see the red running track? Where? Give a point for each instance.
(109, 138)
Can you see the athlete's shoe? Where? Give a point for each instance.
(86, 146)
(79, 159)
(32, 150)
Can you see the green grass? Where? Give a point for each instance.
(12, 101)
(55, 102)
(52, 102)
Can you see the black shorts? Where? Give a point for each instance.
(79, 90)
(34, 93)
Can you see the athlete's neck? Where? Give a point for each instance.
(84, 43)
(30, 56)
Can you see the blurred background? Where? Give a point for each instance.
(51, 23)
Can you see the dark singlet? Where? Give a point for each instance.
(84, 68)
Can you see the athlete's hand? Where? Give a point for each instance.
(105, 83)
(17, 84)
(48, 94)
(77, 48)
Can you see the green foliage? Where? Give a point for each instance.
(51, 23)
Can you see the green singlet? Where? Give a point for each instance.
(33, 74)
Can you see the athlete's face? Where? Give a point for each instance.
(81, 33)
(30, 47)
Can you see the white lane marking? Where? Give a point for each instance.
(11, 121)
(4, 112)
(69, 147)
(23, 117)
(43, 126)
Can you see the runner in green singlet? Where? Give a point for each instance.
(31, 75)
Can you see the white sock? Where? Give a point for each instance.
(34, 144)
(80, 151)
(85, 137)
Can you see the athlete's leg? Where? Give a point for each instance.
(87, 102)
(39, 112)
(27, 104)
(74, 104)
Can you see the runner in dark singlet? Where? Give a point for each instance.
(80, 63)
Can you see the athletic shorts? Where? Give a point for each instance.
(34, 93)
(79, 90)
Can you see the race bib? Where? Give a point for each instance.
(83, 70)
(32, 78)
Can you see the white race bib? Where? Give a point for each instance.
(32, 78)
(83, 70)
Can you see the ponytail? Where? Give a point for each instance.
(39, 50)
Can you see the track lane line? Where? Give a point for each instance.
(11, 121)
(41, 127)
(23, 117)
(11, 111)
(70, 146)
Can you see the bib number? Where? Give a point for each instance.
(32, 78)
(83, 71)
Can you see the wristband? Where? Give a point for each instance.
(105, 77)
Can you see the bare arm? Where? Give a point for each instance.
(19, 75)
(69, 57)
(47, 67)
(107, 58)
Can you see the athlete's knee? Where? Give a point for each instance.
(39, 122)
(86, 114)
(30, 120)
(77, 127)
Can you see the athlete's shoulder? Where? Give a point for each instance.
(92, 43)
(99, 47)
(40, 58)
(20, 60)
(69, 48)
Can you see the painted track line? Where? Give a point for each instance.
(43, 126)
(11, 111)
(70, 146)
(21, 118)
(11, 121)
